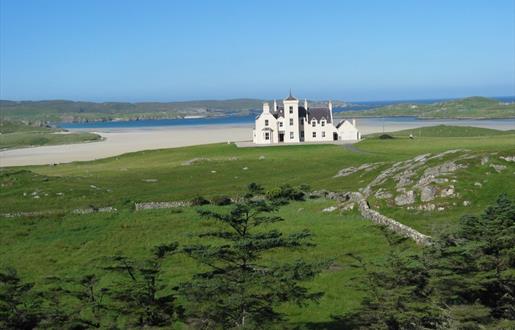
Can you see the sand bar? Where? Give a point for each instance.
(122, 140)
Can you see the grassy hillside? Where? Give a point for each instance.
(467, 108)
(71, 111)
(17, 134)
(67, 244)
(445, 131)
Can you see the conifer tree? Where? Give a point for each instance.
(140, 295)
(238, 288)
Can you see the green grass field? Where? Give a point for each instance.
(68, 245)
(18, 135)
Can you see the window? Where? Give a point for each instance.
(266, 122)
(291, 121)
(314, 134)
(322, 123)
(267, 136)
(302, 134)
(323, 134)
(313, 123)
(291, 109)
(280, 124)
(291, 135)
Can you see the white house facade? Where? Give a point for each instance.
(292, 123)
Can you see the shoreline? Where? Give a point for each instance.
(121, 140)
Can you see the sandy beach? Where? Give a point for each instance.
(123, 140)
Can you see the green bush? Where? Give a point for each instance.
(199, 201)
(221, 200)
(285, 192)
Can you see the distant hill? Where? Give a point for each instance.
(73, 111)
(445, 131)
(468, 108)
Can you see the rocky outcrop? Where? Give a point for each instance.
(427, 193)
(498, 168)
(405, 198)
(508, 158)
(351, 170)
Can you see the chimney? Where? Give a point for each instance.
(354, 122)
(275, 106)
(306, 104)
(266, 107)
(330, 105)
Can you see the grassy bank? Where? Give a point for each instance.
(18, 135)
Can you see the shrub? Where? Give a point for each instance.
(221, 200)
(198, 201)
(285, 192)
(386, 137)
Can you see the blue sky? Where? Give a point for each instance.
(179, 50)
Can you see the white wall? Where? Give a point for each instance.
(261, 129)
(349, 132)
(328, 129)
(295, 128)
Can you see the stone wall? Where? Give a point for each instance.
(160, 205)
(391, 224)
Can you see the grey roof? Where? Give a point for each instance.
(279, 112)
(319, 113)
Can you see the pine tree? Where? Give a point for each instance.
(239, 289)
(473, 268)
(139, 295)
(20, 305)
(398, 295)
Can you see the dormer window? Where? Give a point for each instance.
(322, 123)
(313, 123)
(266, 122)
(280, 124)
(291, 109)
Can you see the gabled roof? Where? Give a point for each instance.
(319, 113)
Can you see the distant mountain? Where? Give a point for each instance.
(475, 107)
(76, 111)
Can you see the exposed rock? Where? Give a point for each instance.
(351, 170)
(447, 192)
(382, 194)
(150, 180)
(245, 168)
(441, 208)
(466, 203)
(478, 184)
(330, 209)
(195, 160)
(498, 168)
(508, 158)
(347, 206)
(261, 157)
(405, 198)
(427, 207)
(427, 193)
(485, 160)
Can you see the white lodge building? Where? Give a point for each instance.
(292, 123)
